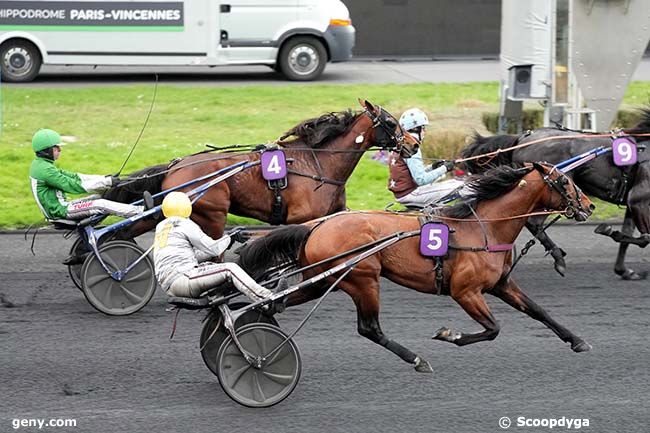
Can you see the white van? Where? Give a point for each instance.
(296, 37)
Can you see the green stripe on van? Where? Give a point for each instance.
(94, 28)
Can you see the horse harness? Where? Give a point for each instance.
(431, 214)
(278, 212)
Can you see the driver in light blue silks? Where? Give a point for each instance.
(413, 182)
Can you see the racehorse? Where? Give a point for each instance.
(493, 214)
(325, 151)
(600, 178)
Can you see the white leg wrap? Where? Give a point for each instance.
(430, 193)
(83, 208)
(210, 275)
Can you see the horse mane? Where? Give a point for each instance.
(643, 126)
(492, 184)
(277, 248)
(481, 145)
(131, 189)
(318, 131)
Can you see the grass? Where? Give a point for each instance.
(105, 122)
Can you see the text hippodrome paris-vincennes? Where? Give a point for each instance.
(93, 14)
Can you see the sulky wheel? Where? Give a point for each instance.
(79, 249)
(210, 345)
(118, 298)
(271, 382)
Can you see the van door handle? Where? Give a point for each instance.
(225, 9)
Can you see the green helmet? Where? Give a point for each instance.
(44, 139)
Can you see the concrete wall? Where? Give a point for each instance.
(432, 28)
(429, 28)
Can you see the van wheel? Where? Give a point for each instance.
(302, 58)
(20, 61)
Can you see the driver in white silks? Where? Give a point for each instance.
(181, 251)
(412, 182)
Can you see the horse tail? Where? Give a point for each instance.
(131, 189)
(282, 246)
(481, 145)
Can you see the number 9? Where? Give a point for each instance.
(625, 150)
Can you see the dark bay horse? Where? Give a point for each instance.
(497, 197)
(325, 151)
(600, 178)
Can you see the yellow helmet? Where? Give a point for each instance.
(177, 204)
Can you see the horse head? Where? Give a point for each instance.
(388, 132)
(565, 194)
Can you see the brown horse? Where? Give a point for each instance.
(501, 200)
(324, 150)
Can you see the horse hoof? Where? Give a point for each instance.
(441, 334)
(422, 366)
(630, 275)
(603, 229)
(581, 346)
(446, 334)
(560, 268)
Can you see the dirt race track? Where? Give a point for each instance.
(59, 358)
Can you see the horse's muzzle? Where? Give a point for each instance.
(583, 215)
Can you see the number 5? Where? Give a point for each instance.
(433, 237)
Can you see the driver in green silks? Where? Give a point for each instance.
(50, 184)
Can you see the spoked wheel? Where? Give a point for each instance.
(264, 385)
(118, 298)
(211, 340)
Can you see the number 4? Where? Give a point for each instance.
(274, 165)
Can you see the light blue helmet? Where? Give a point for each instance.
(412, 119)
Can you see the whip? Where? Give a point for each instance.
(144, 125)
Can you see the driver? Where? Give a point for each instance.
(50, 183)
(411, 181)
(179, 248)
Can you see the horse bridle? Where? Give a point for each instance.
(573, 205)
(395, 139)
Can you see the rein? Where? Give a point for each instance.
(492, 155)
(318, 178)
(514, 217)
(527, 247)
(498, 248)
(178, 164)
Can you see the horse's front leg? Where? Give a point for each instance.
(511, 294)
(367, 303)
(625, 237)
(535, 226)
(638, 210)
(473, 302)
(620, 268)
